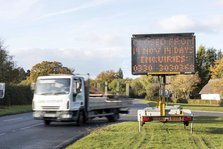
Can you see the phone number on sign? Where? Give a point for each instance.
(164, 68)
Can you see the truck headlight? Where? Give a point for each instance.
(66, 115)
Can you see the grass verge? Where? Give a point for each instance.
(189, 106)
(9, 110)
(207, 134)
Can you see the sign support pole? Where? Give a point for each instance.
(162, 107)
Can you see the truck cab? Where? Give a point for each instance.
(59, 98)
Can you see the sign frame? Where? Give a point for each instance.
(165, 36)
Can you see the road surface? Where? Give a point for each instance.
(21, 131)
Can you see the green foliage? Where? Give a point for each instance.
(221, 103)
(17, 95)
(205, 59)
(106, 76)
(207, 134)
(97, 86)
(9, 73)
(120, 74)
(182, 100)
(211, 56)
(183, 85)
(46, 68)
(203, 102)
(136, 89)
(217, 69)
(118, 86)
(151, 86)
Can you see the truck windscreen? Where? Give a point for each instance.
(53, 86)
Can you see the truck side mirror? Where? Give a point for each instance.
(2, 90)
(76, 87)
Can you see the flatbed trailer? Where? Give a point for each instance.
(172, 114)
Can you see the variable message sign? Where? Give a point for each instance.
(163, 53)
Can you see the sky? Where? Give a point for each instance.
(92, 36)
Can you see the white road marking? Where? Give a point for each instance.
(31, 126)
(13, 119)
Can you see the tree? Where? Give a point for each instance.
(205, 59)
(120, 74)
(210, 57)
(219, 54)
(46, 68)
(137, 89)
(106, 76)
(217, 69)
(217, 73)
(9, 73)
(121, 86)
(150, 84)
(183, 85)
(202, 67)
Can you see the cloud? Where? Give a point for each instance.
(216, 22)
(80, 59)
(178, 22)
(185, 23)
(220, 2)
(91, 4)
(13, 9)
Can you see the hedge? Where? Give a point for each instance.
(17, 95)
(199, 101)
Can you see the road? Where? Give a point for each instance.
(21, 131)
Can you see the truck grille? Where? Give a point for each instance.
(50, 107)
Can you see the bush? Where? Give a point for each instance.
(17, 95)
(221, 103)
(182, 100)
(207, 102)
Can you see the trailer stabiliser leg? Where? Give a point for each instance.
(191, 127)
(140, 118)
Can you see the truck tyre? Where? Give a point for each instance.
(47, 122)
(113, 118)
(81, 118)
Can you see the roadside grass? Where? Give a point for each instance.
(207, 134)
(9, 110)
(200, 107)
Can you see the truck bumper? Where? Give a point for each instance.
(55, 115)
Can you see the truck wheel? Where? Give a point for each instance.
(81, 119)
(113, 118)
(47, 122)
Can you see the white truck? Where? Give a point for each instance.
(66, 98)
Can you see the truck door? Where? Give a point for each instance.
(78, 94)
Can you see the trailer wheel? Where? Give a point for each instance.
(47, 122)
(113, 118)
(186, 123)
(81, 119)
